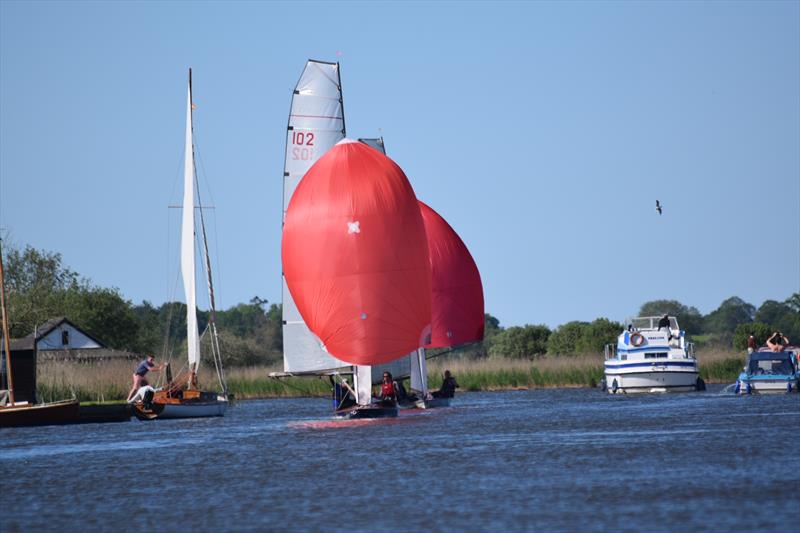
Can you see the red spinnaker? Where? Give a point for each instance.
(457, 305)
(355, 256)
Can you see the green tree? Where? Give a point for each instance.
(567, 338)
(521, 342)
(689, 318)
(104, 314)
(36, 283)
(760, 331)
(729, 314)
(782, 316)
(599, 333)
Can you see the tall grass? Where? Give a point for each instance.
(111, 380)
(500, 373)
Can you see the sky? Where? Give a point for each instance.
(542, 132)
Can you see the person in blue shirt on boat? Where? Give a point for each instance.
(141, 371)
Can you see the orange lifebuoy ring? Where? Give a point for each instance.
(637, 339)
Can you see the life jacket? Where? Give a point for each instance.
(387, 390)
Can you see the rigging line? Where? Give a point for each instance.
(215, 350)
(210, 193)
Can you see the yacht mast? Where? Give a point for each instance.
(6, 344)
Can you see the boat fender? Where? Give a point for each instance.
(147, 401)
(789, 387)
(603, 386)
(614, 386)
(747, 389)
(700, 385)
(637, 339)
(738, 387)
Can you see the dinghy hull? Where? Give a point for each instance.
(367, 411)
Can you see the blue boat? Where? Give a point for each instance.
(769, 372)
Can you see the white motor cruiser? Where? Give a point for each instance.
(651, 355)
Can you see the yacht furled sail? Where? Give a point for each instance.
(180, 398)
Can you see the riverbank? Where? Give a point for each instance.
(109, 381)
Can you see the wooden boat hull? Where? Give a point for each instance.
(367, 411)
(206, 404)
(101, 414)
(45, 414)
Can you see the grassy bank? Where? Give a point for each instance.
(110, 381)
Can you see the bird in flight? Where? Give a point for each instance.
(658, 207)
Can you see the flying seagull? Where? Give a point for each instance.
(658, 207)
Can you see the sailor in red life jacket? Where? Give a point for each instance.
(388, 390)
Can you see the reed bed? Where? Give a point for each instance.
(110, 381)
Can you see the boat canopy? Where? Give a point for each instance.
(770, 363)
(355, 256)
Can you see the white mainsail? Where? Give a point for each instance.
(316, 123)
(187, 240)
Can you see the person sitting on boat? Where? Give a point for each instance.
(343, 394)
(141, 371)
(664, 323)
(388, 395)
(448, 388)
(751, 344)
(141, 393)
(777, 341)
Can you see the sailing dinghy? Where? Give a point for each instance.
(316, 124)
(181, 398)
(314, 347)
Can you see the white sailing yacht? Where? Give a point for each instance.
(180, 398)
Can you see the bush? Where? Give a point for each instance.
(759, 330)
(520, 342)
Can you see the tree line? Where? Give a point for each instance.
(39, 287)
(726, 327)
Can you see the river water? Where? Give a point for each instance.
(545, 459)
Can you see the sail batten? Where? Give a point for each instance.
(316, 123)
(187, 240)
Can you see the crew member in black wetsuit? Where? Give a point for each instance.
(448, 388)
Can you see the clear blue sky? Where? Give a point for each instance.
(543, 132)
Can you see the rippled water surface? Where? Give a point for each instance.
(550, 459)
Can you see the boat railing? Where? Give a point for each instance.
(689, 350)
(610, 351)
